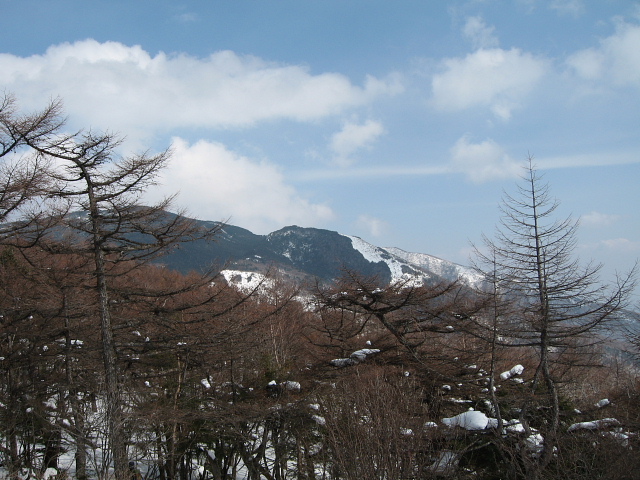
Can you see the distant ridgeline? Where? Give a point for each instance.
(308, 253)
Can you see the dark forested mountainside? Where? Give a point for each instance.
(323, 253)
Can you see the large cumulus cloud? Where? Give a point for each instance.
(111, 85)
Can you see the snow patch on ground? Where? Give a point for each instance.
(594, 425)
(356, 357)
(245, 281)
(516, 370)
(318, 419)
(470, 420)
(446, 464)
(291, 386)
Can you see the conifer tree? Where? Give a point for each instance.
(23, 170)
(557, 303)
(103, 219)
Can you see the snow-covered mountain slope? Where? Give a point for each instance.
(400, 269)
(416, 268)
(440, 267)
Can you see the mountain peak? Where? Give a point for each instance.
(306, 252)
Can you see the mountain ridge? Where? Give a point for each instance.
(306, 253)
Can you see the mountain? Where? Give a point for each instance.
(310, 253)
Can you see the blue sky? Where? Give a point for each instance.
(401, 122)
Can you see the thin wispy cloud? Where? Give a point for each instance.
(598, 219)
(371, 173)
(372, 225)
(600, 159)
(187, 17)
(573, 8)
(622, 245)
(478, 162)
(479, 33)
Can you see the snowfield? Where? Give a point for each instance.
(401, 262)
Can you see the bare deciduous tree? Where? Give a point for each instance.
(23, 171)
(109, 225)
(406, 310)
(558, 301)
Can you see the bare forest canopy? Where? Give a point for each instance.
(109, 357)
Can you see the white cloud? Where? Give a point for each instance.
(479, 33)
(494, 78)
(482, 161)
(374, 226)
(124, 88)
(615, 60)
(354, 137)
(218, 184)
(597, 219)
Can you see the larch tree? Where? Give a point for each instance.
(559, 303)
(424, 308)
(102, 218)
(23, 178)
(23, 170)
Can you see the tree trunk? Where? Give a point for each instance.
(81, 446)
(115, 417)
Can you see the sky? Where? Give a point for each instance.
(401, 122)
